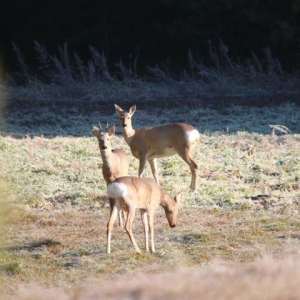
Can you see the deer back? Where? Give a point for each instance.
(163, 140)
(160, 141)
(139, 192)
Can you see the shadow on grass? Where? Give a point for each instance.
(32, 245)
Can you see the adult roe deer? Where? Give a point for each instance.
(115, 162)
(149, 143)
(129, 193)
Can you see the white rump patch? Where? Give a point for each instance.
(116, 190)
(192, 136)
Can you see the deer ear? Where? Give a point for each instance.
(95, 131)
(118, 108)
(178, 197)
(132, 109)
(111, 130)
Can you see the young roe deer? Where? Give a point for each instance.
(129, 193)
(115, 162)
(149, 143)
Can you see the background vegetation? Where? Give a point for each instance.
(153, 32)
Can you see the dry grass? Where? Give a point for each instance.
(263, 279)
(70, 250)
(247, 207)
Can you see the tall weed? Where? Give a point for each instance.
(220, 76)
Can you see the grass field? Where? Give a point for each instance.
(242, 221)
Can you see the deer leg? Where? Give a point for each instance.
(110, 225)
(128, 228)
(195, 171)
(120, 214)
(146, 228)
(151, 227)
(142, 165)
(186, 156)
(153, 165)
(121, 218)
(111, 205)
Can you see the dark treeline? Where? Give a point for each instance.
(157, 31)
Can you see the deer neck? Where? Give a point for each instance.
(128, 133)
(106, 156)
(166, 201)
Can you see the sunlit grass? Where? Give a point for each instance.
(68, 169)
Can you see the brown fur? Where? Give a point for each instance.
(130, 193)
(115, 162)
(149, 143)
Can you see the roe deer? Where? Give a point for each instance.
(149, 143)
(129, 193)
(115, 162)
